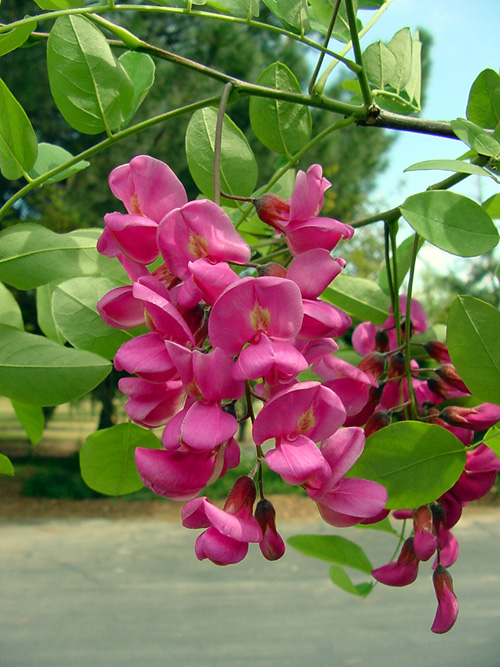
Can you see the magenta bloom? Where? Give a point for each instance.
(253, 306)
(199, 229)
(298, 219)
(147, 357)
(152, 404)
(479, 475)
(230, 529)
(402, 572)
(479, 418)
(298, 417)
(351, 384)
(344, 501)
(119, 308)
(424, 539)
(147, 187)
(447, 610)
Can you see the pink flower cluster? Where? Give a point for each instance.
(381, 385)
(217, 340)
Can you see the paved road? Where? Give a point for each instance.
(101, 592)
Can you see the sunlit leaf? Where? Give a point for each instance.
(10, 313)
(474, 346)
(51, 156)
(18, 143)
(11, 40)
(141, 69)
(281, 126)
(475, 137)
(6, 467)
(37, 371)
(59, 4)
(483, 106)
(359, 297)
(332, 548)
(416, 462)
(32, 420)
(238, 164)
(107, 458)
(451, 222)
(91, 89)
(341, 579)
(457, 166)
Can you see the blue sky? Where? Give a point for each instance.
(466, 40)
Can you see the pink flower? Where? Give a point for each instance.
(147, 357)
(479, 475)
(152, 404)
(447, 610)
(424, 540)
(479, 418)
(298, 219)
(230, 529)
(199, 229)
(119, 308)
(351, 384)
(183, 473)
(344, 501)
(402, 572)
(147, 187)
(253, 306)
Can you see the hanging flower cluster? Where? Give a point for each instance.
(225, 333)
(217, 337)
(381, 385)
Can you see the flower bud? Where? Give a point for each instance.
(447, 610)
(373, 364)
(272, 209)
(381, 341)
(272, 269)
(242, 495)
(449, 374)
(424, 541)
(438, 351)
(272, 545)
(479, 418)
(378, 420)
(397, 365)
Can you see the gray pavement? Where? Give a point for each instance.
(100, 592)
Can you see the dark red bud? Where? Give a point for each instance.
(381, 341)
(397, 365)
(449, 374)
(438, 351)
(272, 545)
(272, 269)
(272, 209)
(242, 494)
(373, 364)
(377, 421)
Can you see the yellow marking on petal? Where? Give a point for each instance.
(260, 318)
(193, 389)
(306, 421)
(134, 205)
(197, 245)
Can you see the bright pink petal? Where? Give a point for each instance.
(206, 426)
(220, 549)
(363, 338)
(354, 500)
(447, 610)
(296, 460)
(120, 309)
(308, 192)
(323, 319)
(135, 235)
(148, 187)
(212, 279)
(147, 357)
(149, 404)
(316, 233)
(313, 271)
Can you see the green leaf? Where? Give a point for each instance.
(45, 317)
(51, 156)
(414, 85)
(416, 462)
(141, 70)
(11, 40)
(6, 467)
(492, 206)
(474, 346)
(59, 4)
(31, 255)
(483, 107)
(451, 222)
(404, 254)
(492, 439)
(10, 313)
(238, 165)
(380, 64)
(281, 126)
(323, 10)
(332, 548)
(359, 297)
(37, 371)
(475, 137)
(293, 14)
(18, 144)
(384, 526)
(107, 458)
(457, 166)
(341, 579)
(239, 8)
(76, 317)
(32, 420)
(90, 88)
(402, 47)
